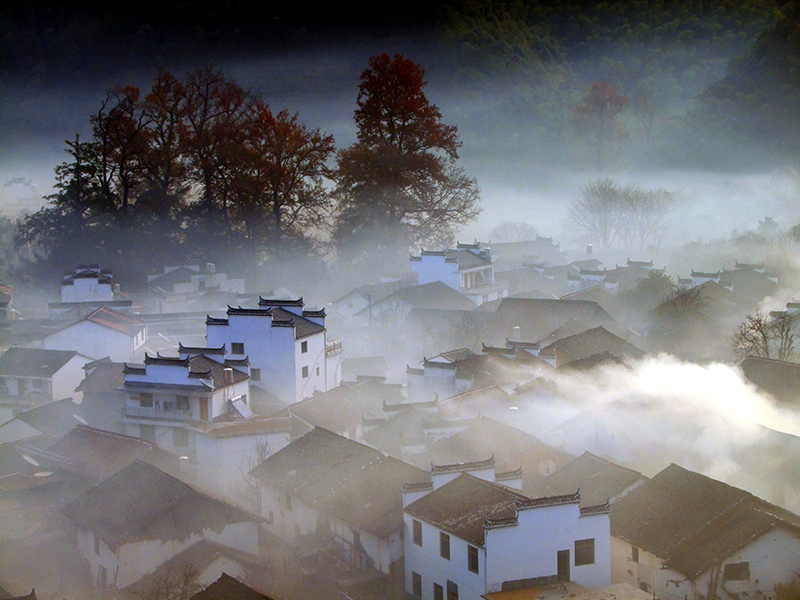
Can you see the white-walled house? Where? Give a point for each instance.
(197, 405)
(287, 347)
(327, 485)
(178, 287)
(87, 283)
(467, 536)
(140, 517)
(685, 536)
(169, 397)
(468, 269)
(37, 375)
(104, 333)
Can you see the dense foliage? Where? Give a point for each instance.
(199, 169)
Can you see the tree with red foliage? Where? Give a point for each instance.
(400, 176)
(596, 119)
(279, 190)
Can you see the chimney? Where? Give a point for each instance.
(211, 268)
(589, 252)
(227, 375)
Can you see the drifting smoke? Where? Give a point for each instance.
(661, 410)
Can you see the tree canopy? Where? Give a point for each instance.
(401, 173)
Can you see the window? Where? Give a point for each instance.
(472, 558)
(736, 571)
(148, 433)
(180, 437)
(444, 545)
(317, 371)
(584, 552)
(305, 372)
(182, 402)
(452, 590)
(416, 584)
(417, 528)
(303, 347)
(146, 400)
(357, 539)
(288, 502)
(634, 554)
(438, 592)
(255, 374)
(237, 347)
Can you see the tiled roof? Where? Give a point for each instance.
(104, 377)
(598, 480)
(198, 367)
(342, 478)
(510, 447)
(537, 318)
(591, 342)
(200, 350)
(342, 408)
(691, 520)
(228, 588)
(142, 502)
(429, 295)
(252, 426)
(99, 454)
(776, 377)
(116, 320)
(34, 362)
(462, 506)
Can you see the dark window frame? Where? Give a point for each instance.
(416, 584)
(473, 562)
(444, 545)
(237, 347)
(584, 552)
(416, 528)
(736, 571)
(438, 592)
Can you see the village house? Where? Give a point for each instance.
(87, 288)
(167, 396)
(685, 536)
(467, 268)
(178, 287)
(591, 342)
(31, 376)
(288, 351)
(535, 320)
(511, 448)
(331, 487)
(104, 333)
(343, 409)
(467, 535)
(599, 480)
(344, 308)
(137, 519)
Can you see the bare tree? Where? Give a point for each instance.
(513, 231)
(596, 210)
(607, 213)
(767, 336)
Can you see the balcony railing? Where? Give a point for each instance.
(333, 347)
(159, 413)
